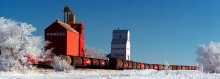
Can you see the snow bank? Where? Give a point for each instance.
(110, 74)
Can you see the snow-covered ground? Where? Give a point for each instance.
(109, 74)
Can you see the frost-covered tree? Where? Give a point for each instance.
(16, 43)
(92, 53)
(209, 57)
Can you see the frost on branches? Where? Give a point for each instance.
(16, 43)
(166, 68)
(209, 57)
(61, 64)
(92, 53)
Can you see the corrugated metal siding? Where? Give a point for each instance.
(72, 43)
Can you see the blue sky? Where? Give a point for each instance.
(160, 30)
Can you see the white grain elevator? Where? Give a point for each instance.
(120, 45)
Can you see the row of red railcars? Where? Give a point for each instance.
(170, 67)
(114, 63)
(124, 64)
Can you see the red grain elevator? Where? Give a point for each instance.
(67, 38)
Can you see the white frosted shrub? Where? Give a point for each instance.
(61, 64)
(16, 43)
(209, 57)
(166, 68)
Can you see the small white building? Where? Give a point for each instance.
(120, 45)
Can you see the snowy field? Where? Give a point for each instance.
(109, 74)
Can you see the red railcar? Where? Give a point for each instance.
(183, 68)
(160, 67)
(138, 65)
(95, 63)
(31, 60)
(190, 67)
(155, 66)
(174, 67)
(86, 62)
(115, 63)
(193, 67)
(77, 61)
(151, 66)
(125, 64)
(142, 66)
(102, 63)
(130, 64)
(179, 67)
(134, 65)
